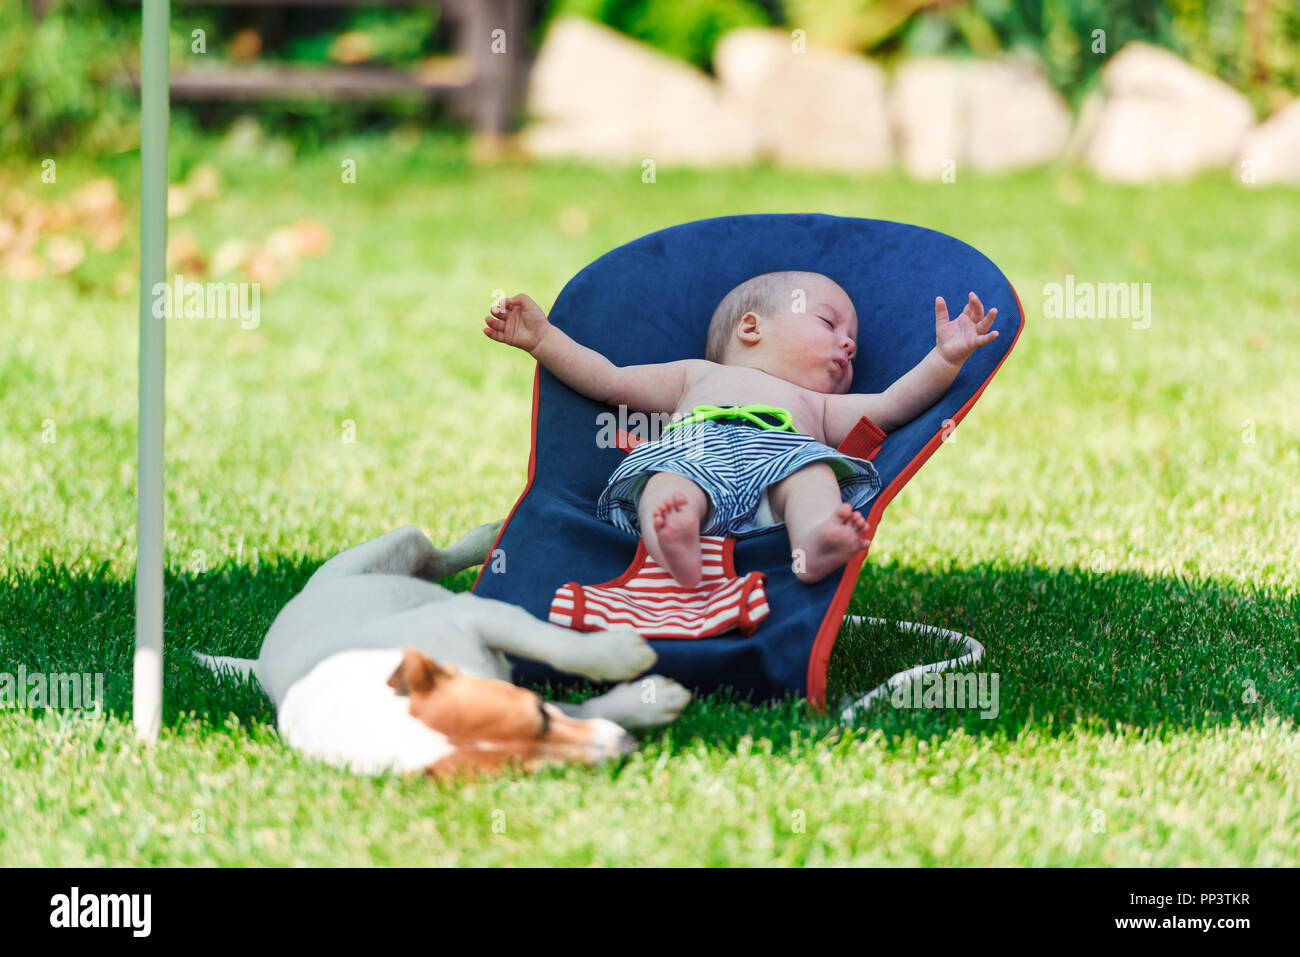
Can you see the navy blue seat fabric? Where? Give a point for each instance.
(651, 301)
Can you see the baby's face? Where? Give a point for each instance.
(815, 348)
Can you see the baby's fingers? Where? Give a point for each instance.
(987, 321)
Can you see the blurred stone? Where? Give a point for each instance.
(1272, 149)
(819, 109)
(745, 59)
(1014, 118)
(1164, 119)
(926, 105)
(989, 116)
(598, 95)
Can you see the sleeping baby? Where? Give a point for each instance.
(756, 422)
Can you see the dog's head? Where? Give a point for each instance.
(494, 724)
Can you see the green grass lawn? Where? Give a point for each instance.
(1116, 520)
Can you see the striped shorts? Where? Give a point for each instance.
(734, 464)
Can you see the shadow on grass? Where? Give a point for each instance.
(1069, 647)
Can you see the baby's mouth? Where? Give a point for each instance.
(841, 368)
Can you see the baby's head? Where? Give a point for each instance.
(797, 326)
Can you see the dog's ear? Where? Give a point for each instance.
(417, 674)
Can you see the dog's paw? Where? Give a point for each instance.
(648, 702)
(618, 654)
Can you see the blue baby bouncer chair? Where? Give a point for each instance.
(651, 301)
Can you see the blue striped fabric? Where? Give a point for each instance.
(733, 463)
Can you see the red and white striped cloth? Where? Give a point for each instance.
(647, 598)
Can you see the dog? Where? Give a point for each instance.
(373, 666)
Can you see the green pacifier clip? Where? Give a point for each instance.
(702, 413)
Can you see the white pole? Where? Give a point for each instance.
(146, 697)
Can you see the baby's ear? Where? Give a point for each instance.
(747, 329)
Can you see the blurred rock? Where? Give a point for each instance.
(818, 109)
(926, 107)
(989, 116)
(1272, 149)
(1015, 118)
(745, 58)
(598, 95)
(1163, 118)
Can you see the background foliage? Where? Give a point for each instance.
(63, 80)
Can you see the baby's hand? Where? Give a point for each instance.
(957, 339)
(518, 322)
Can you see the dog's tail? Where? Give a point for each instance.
(221, 664)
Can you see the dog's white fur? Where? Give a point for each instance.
(327, 657)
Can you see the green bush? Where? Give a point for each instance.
(62, 80)
(688, 31)
(1255, 47)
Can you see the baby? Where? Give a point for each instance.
(784, 338)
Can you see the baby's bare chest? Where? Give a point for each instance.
(735, 386)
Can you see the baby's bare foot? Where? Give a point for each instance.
(679, 539)
(833, 544)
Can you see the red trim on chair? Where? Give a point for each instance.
(829, 630)
(532, 468)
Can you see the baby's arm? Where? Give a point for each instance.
(658, 387)
(922, 386)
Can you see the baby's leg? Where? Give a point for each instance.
(670, 511)
(824, 529)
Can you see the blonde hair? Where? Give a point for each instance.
(765, 294)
